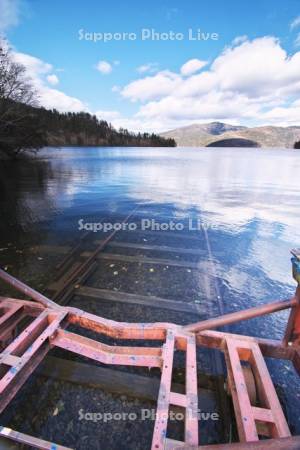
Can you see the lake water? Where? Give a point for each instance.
(247, 199)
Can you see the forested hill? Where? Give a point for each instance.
(29, 128)
(83, 129)
(24, 126)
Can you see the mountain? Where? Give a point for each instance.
(224, 135)
(217, 128)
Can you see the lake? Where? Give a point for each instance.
(245, 203)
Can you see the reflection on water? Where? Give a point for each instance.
(250, 197)
(23, 191)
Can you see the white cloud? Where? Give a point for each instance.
(192, 66)
(283, 115)
(295, 23)
(171, 12)
(239, 40)
(108, 115)
(35, 67)
(213, 106)
(104, 67)
(151, 87)
(251, 82)
(52, 79)
(253, 68)
(39, 72)
(138, 124)
(9, 14)
(52, 98)
(297, 40)
(149, 67)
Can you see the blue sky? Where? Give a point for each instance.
(248, 74)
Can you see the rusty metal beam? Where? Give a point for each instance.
(22, 287)
(22, 438)
(166, 397)
(106, 354)
(247, 415)
(292, 332)
(239, 316)
(27, 350)
(30, 307)
(163, 401)
(24, 347)
(9, 321)
(191, 387)
(289, 443)
(119, 330)
(269, 347)
(22, 376)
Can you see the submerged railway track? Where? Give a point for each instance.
(72, 286)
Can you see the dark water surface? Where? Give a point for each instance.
(246, 199)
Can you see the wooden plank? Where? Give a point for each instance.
(64, 250)
(114, 381)
(58, 284)
(51, 249)
(145, 260)
(173, 234)
(136, 299)
(159, 248)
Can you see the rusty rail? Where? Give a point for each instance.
(85, 266)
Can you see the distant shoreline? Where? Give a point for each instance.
(220, 134)
(30, 156)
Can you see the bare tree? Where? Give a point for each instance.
(24, 126)
(18, 131)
